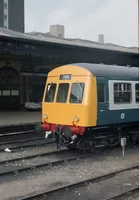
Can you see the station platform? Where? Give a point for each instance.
(19, 117)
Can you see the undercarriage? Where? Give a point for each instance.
(96, 137)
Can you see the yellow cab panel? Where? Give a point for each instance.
(66, 98)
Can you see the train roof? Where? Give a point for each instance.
(110, 70)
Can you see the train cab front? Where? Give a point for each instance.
(65, 107)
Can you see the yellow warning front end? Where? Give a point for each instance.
(69, 98)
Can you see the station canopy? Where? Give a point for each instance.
(66, 41)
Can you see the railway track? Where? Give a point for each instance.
(13, 128)
(62, 157)
(19, 132)
(125, 194)
(21, 141)
(28, 143)
(21, 136)
(67, 156)
(53, 157)
(70, 187)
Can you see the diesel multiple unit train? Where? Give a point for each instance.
(91, 105)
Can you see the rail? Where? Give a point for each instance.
(66, 188)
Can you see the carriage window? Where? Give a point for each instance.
(137, 92)
(77, 92)
(0, 93)
(101, 93)
(122, 93)
(62, 92)
(50, 92)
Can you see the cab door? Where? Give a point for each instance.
(102, 101)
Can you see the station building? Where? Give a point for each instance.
(26, 59)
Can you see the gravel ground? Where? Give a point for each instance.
(22, 152)
(16, 165)
(132, 197)
(52, 177)
(104, 189)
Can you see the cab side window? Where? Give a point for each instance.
(50, 92)
(101, 93)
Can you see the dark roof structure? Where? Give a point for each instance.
(70, 42)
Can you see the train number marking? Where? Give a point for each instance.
(122, 115)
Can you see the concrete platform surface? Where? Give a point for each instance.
(19, 117)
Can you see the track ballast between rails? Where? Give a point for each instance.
(66, 188)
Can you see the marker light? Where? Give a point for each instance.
(45, 116)
(76, 119)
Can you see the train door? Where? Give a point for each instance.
(102, 101)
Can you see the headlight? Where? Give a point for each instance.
(45, 116)
(76, 119)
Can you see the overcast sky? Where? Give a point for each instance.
(116, 19)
